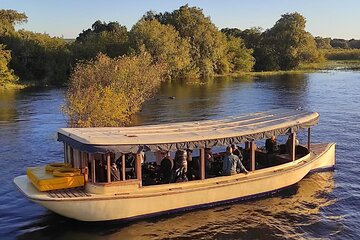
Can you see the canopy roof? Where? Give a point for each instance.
(183, 135)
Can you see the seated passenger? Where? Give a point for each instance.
(180, 167)
(271, 145)
(232, 164)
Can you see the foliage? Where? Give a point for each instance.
(231, 32)
(207, 44)
(342, 54)
(323, 43)
(163, 43)
(38, 57)
(251, 37)
(110, 39)
(6, 74)
(8, 20)
(239, 56)
(107, 92)
(286, 45)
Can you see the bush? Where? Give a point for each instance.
(106, 92)
(342, 54)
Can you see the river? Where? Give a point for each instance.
(323, 205)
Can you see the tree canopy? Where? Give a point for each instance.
(286, 45)
(163, 43)
(109, 38)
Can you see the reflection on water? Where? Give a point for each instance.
(324, 205)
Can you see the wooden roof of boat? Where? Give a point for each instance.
(195, 134)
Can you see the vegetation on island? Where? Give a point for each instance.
(110, 65)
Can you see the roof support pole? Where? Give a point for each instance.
(202, 163)
(65, 153)
(292, 146)
(252, 155)
(108, 168)
(123, 174)
(138, 168)
(92, 160)
(247, 145)
(308, 144)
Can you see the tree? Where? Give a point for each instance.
(207, 44)
(106, 92)
(111, 39)
(6, 74)
(339, 43)
(251, 37)
(233, 32)
(323, 43)
(239, 56)
(38, 57)
(8, 20)
(163, 43)
(288, 44)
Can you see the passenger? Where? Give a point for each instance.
(180, 167)
(232, 164)
(115, 173)
(192, 166)
(271, 145)
(236, 151)
(209, 159)
(166, 167)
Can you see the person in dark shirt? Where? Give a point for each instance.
(166, 167)
(271, 145)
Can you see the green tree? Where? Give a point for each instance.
(323, 43)
(163, 43)
(108, 38)
(6, 74)
(207, 44)
(38, 57)
(233, 32)
(106, 92)
(251, 37)
(288, 44)
(239, 56)
(8, 20)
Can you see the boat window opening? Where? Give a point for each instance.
(253, 156)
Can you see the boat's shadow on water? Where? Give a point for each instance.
(292, 213)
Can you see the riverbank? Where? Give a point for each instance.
(305, 68)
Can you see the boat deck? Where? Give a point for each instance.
(69, 193)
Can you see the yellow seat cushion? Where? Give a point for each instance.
(45, 181)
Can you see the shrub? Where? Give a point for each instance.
(106, 92)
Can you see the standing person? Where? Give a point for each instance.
(232, 164)
(236, 151)
(180, 167)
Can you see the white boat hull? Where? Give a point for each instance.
(163, 198)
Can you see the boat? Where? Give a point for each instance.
(89, 191)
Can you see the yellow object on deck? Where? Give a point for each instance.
(46, 181)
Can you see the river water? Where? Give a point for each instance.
(324, 205)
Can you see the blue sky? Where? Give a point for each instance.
(67, 18)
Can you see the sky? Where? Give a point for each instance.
(68, 18)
